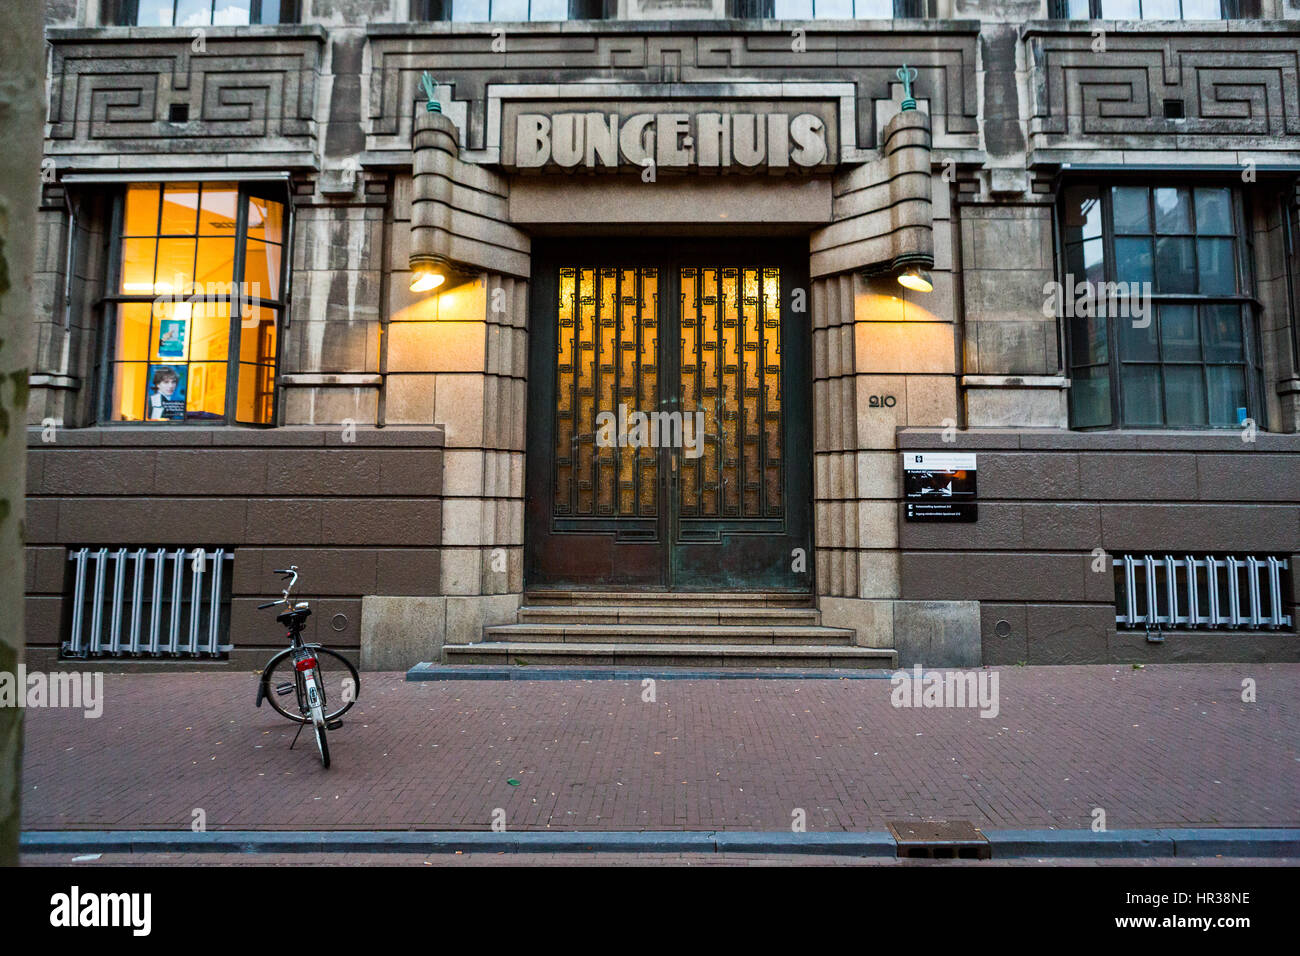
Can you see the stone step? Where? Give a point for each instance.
(618, 633)
(642, 614)
(669, 598)
(658, 654)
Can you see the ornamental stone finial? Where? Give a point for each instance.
(907, 75)
(426, 81)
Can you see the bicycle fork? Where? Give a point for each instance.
(310, 699)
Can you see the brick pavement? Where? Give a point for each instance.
(1169, 745)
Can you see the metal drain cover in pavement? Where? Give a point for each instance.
(940, 840)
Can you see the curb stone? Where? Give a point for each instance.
(1005, 844)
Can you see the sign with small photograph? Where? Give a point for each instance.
(939, 486)
(171, 338)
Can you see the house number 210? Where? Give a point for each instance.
(882, 401)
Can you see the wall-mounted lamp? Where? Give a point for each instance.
(428, 273)
(436, 148)
(918, 280)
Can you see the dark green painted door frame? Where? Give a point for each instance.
(670, 552)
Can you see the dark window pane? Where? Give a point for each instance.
(1223, 341)
(1133, 260)
(1090, 396)
(1085, 262)
(1082, 213)
(1173, 211)
(1089, 340)
(1218, 266)
(1227, 393)
(1175, 265)
(1184, 395)
(1141, 395)
(1214, 212)
(1129, 209)
(1136, 342)
(1180, 334)
(430, 9)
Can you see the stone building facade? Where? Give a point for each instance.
(676, 206)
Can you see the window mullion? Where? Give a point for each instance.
(1109, 271)
(108, 360)
(234, 344)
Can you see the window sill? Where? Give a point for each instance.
(128, 434)
(117, 34)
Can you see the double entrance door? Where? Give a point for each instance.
(669, 441)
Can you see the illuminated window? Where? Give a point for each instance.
(200, 265)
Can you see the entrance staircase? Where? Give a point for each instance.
(669, 629)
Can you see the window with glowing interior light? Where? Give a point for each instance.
(195, 308)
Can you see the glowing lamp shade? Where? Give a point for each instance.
(918, 280)
(426, 280)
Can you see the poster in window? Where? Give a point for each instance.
(166, 393)
(171, 338)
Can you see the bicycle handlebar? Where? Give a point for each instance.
(290, 572)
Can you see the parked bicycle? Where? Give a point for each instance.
(321, 695)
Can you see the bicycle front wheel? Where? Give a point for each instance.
(336, 679)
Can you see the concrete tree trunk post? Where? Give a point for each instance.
(22, 118)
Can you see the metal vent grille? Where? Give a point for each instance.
(1202, 592)
(138, 601)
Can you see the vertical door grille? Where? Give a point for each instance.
(142, 601)
(1201, 592)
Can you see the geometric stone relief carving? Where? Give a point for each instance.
(1237, 90)
(248, 93)
(464, 63)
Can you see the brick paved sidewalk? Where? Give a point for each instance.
(1169, 745)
